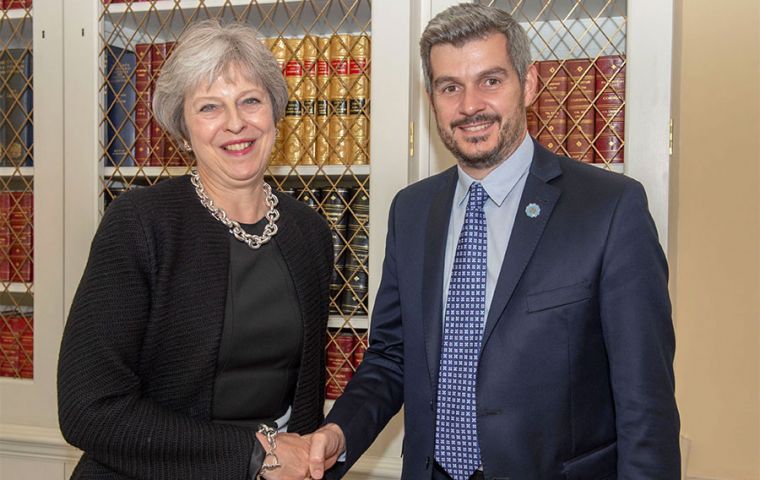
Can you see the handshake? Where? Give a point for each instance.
(290, 456)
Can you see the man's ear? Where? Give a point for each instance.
(530, 88)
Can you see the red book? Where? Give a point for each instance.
(157, 155)
(361, 347)
(580, 110)
(20, 222)
(11, 4)
(5, 236)
(339, 364)
(551, 114)
(610, 108)
(142, 104)
(15, 345)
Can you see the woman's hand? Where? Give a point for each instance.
(293, 454)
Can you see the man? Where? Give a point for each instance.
(523, 317)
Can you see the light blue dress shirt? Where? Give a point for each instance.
(504, 186)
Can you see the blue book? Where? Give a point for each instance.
(16, 101)
(120, 107)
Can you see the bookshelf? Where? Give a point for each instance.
(16, 193)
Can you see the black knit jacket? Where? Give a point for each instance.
(140, 347)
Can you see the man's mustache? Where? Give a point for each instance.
(477, 118)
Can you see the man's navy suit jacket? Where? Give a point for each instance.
(575, 379)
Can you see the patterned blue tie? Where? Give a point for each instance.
(456, 435)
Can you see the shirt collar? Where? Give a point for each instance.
(502, 179)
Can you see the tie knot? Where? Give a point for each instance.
(478, 197)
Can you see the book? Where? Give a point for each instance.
(358, 102)
(338, 137)
(120, 104)
(354, 299)
(157, 156)
(291, 125)
(5, 236)
(279, 48)
(610, 108)
(143, 91)
(335, 208)
(551, 114)
(362, 343)
(322, 115)
(16, 344)
(20, 224)
(14, 4)
(16, 99)
(339, 363)
(308, 95)
(580, 109)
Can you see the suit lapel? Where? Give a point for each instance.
(432, 281)
(526, 232)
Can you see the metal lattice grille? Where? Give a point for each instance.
(321, 154)
(16, 191)
(578, 47)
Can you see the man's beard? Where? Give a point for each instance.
(509, 134)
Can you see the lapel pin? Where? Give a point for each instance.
(532, 210)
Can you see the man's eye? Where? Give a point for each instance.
(449, 89)
(492, 81)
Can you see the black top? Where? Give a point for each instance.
(262, 336)
(140, 348)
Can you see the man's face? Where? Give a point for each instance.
(478, 101)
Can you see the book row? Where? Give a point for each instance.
(16, 236)
(16, 101)
(347, 212)
(580, 109)
(16, 343)
(326, 119)
(345, 352)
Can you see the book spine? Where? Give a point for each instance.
(580, 110)
(339, 140)
(17, 104)
(16, 343)
(142, 104)
(358, 107)
(120, 104)
(339, 363)
(610, 108)
(335, 208)
(308, 130)
(173, 155)
(294, 110)
(354, 300)
(362, 342)
(157, 156)
(322, 117)
(14, 4)
(5, 236)
(21, 242)
(279, 48)
(551, 114)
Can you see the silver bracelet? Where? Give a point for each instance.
(271, 435)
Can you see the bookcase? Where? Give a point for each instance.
(87, 133)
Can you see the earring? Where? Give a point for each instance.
(186, 145)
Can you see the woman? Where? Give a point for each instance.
(199, 323)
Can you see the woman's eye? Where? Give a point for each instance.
(209, 107)
(251, 101)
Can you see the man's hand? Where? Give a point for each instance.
(292, 452)
(327, 444)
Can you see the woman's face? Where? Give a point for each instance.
(231, 129)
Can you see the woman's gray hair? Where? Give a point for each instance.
(203, 52)
(469, 21)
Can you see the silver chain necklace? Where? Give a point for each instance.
(253, 241)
